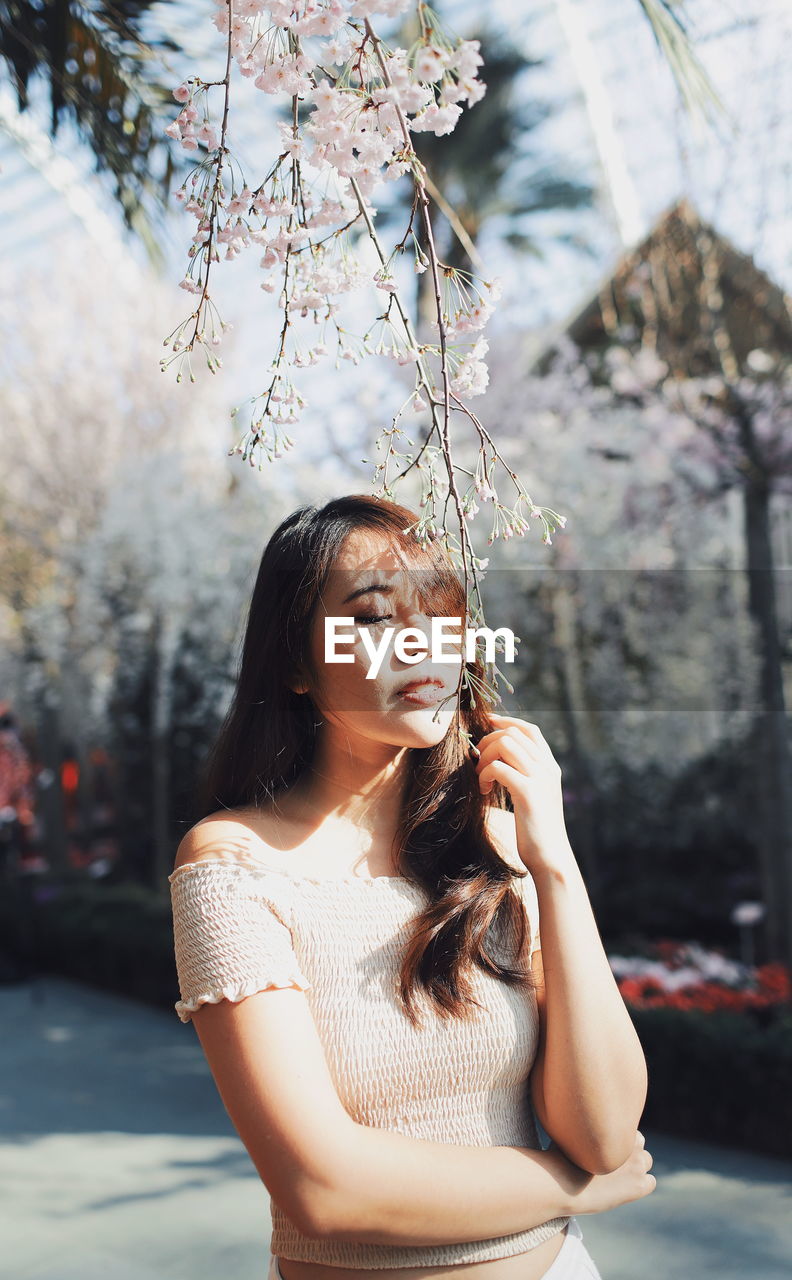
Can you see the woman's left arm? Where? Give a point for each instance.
(589, 1080)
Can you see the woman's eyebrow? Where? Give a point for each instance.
(362, 591)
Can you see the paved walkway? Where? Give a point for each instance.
(118, 1162)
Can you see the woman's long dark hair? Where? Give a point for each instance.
(267, 740)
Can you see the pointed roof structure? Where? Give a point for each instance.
(684, 282)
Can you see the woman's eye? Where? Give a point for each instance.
(370, 618)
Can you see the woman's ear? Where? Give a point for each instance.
(298, 684)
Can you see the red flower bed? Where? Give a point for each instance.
(672, 974)
(771, 985)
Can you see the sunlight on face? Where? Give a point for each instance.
(374, 583)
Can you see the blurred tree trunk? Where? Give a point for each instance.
(771, 735)
(570, 681)
(163, 640)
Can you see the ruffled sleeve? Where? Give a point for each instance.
(229, 939)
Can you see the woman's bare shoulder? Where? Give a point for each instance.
(225, 836)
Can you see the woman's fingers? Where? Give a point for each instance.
(513, 752)
(509, 734)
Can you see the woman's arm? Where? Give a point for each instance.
(394, 1189)
(336, 1178)
(589, 1080)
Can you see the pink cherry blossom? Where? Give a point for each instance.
(207, 134)
(438, 120)
(384, 281)
(346, 134)
(430, 63)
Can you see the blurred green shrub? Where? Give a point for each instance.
(720, 1077)
(114, 936)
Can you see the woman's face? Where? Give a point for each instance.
(372, 583)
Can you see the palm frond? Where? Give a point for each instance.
(666, 18)
(108, 81)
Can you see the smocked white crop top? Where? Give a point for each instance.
(239, 930)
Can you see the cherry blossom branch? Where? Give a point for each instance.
(183, 124)
(363, 101)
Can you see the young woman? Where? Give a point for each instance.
(356, 928)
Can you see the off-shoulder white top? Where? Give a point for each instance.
(239, 930)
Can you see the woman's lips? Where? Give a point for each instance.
(423, 695)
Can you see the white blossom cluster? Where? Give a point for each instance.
(694, 965)
(355, 104)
